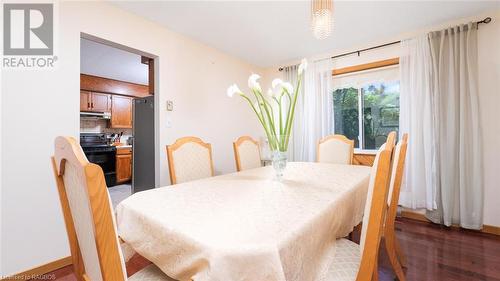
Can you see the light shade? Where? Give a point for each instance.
(321, 18)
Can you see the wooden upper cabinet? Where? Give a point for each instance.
(95, 102)
(84, 101)
(98, 94)
(121, 112)
(101, 102)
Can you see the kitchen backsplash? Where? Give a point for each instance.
(92, 126)
(100, 126)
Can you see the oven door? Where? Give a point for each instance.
(107, 161)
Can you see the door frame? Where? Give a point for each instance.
(156, 92)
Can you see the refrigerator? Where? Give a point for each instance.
(143, 151)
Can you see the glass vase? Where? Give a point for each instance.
(279, 159)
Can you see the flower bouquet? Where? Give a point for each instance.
(275, 112)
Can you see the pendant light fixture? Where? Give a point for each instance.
(321, 18)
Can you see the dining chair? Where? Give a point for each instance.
(359, 262)
(246, 153)
(90, 222)
(336, 149)
(189, 158)
(396, 256)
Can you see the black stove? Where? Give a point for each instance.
(98, 150)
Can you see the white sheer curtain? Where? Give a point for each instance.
(440, 110)
(416, 119)
(313, 113)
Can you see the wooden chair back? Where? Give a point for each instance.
(189, 158)
(88, 215)
(394, 251)
(398, 164)
(246, 153)
(335, 149)
(375, 209)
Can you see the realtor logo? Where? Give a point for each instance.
(28, 29)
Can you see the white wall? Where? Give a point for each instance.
(1, 151)
(489, 93)
(489, 100)
(40, 105)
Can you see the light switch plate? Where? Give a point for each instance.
(170, 105)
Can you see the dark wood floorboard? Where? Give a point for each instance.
(434, 253)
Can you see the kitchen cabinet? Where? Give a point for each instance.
(84, 101)
(121, 112)
(101, 102)
(95, 102)
(123, 164)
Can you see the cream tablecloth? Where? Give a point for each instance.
(245, 226)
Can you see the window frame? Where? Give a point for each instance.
(357, 68)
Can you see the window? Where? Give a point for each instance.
(366, 106)
(346, 113)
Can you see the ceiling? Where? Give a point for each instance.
(268, 33)
(109, 62)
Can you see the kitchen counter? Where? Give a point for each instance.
(123, 146)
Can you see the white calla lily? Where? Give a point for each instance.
(302, 66)
(252, 82)
(275, 109)
(270, 92)
(233, 89)
(276, 82)
(288, 87)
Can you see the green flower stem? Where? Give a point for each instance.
(259, 116)
(280, 114)
(278, 136)
(265, 104)
(280, 121)
(270, 114)
(288, 130)
(271, 111)
(290, 102)
(264, 123)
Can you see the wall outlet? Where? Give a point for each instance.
(170, 105)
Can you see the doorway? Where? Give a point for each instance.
(118, 107)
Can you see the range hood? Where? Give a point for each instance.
(95, 115)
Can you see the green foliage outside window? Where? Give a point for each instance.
(380, 112)
(346, 115)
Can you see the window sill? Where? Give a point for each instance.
(366, 151)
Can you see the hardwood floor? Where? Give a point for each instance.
(434, 253)
(438, 253)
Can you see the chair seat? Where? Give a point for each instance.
(127, 251)
(346, 261)
(150, 273)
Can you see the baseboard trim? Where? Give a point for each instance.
(414, 216)
(490, 229)
(40, 270)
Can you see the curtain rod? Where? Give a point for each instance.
(486, 21)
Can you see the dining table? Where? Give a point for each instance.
(246, 225)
